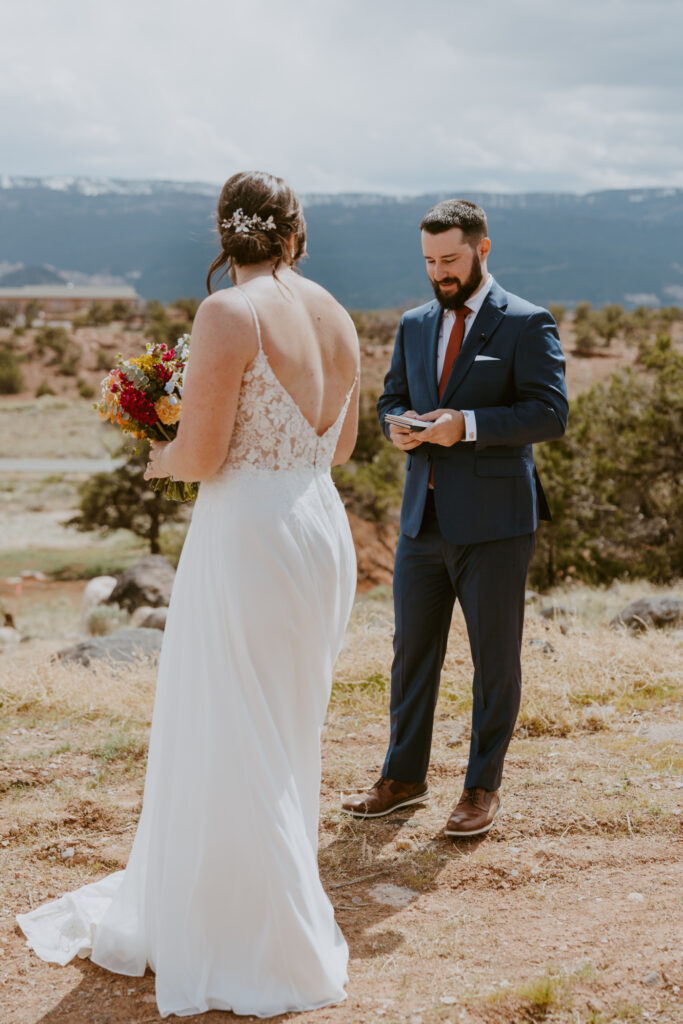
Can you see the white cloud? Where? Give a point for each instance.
(348, 95)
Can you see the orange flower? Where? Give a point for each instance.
(167, 409)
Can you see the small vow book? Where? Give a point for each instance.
(407, 421)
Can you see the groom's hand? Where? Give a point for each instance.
(448, 427)
(402, 437)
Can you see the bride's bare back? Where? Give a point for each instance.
(310, 343)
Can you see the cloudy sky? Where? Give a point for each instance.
(347, 95)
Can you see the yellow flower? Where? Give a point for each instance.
(167, 409)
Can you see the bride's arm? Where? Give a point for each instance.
(223, 343)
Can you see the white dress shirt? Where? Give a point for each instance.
(474, 303)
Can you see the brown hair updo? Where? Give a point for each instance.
(262, 196)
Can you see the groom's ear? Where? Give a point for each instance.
(484, 248)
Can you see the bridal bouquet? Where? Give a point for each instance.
(143, 396)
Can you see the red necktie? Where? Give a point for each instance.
(454, 346)
(452, 349)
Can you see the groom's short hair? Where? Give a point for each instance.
(456, 213)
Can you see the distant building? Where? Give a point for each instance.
(66, 298)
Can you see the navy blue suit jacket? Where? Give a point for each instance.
(488, 489)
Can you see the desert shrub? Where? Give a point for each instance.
(585, 337)
(124, 500)
(85, 390)
(11, 377)
(376, 327)
(615, 480)
(55, 339)
(31, 312)
(7, 314)
(44, 389)
(608, 322)
(161, 328)
(188, 306)
(557, 312)
(105, 619)
(104, 360)
(70, 361)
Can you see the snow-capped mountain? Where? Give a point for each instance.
(612, 246)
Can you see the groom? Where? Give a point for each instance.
(485, 369)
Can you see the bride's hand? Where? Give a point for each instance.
(153, 470)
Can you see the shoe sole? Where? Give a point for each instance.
(476, 831)
(422, 799)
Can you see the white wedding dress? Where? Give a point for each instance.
(221, 894)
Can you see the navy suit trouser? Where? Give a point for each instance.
(489, 581)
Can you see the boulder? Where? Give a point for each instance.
(543, 645)
(140, 614)
(9, 635)
(124, 646)
(557, 611)
(97, 590)
(649, 613)
(156, 619)
(148, 582)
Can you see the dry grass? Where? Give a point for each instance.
(539, 922)
(594, 675)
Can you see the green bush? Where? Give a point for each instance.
(44, 389)
(7, 314)
(70, 361)
(85, 390)
(55, 339)
(615, 480)
(557, 312)
(124, 500)
(104, 360)
(11, 377)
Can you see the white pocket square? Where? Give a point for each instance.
(488, 359)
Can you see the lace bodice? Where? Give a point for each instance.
(270, 431)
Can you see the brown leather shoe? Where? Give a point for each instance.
(473, 813)
(385, 796)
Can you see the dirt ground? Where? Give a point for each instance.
(569, 911)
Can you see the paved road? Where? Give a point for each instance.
(47, 467)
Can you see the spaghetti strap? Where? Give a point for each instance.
(253, 315)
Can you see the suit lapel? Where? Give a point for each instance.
(430, 343)
(485, 323)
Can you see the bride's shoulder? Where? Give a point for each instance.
(321, 301)
(224, 316)
(223, 329)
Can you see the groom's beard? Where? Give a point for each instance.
(458, 297)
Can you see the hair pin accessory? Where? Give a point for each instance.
(244, 224)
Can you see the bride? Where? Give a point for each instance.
(221, 895)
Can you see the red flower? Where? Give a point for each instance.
(164, 373)
(138, 406)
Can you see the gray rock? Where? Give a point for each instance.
(557, 611)
(124, 646)
(148, 582)
(653, 979)
(543, 645)
(156, 619)
(139, 615)
(650, 612)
